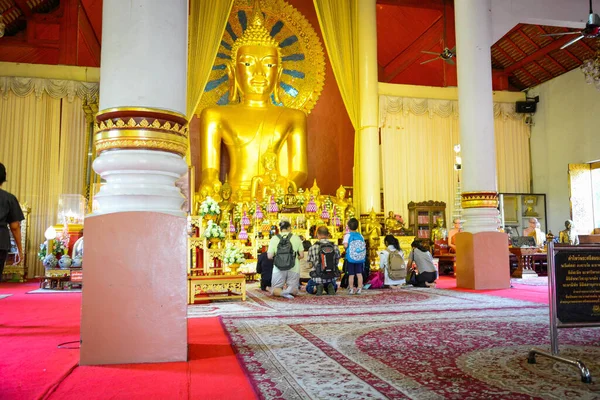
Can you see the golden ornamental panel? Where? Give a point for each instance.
(141, 128)
(301, 50)
(483, 199)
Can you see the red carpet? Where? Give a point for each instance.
(32, 367)
(536, 294)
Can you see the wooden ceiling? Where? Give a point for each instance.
(69, 32)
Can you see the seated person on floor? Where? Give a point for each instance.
(426, 272)
(264, 267)
(311, 288)
(304, 266)
(323, 257)
(391, 262)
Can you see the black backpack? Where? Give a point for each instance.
(327, 267)
(285, 256)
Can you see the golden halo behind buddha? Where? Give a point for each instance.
(301, 52)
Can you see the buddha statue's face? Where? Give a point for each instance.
(269, 161)
(226, 192)
(440, 222)
(391, 214)
(341, 193)
(257, 70)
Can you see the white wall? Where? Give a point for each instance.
(566, 131)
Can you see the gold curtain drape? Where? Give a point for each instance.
(417, 141)
(338, 22)
(207, 21)
(43, 149)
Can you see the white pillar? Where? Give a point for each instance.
(142, 106)
(370, 182)
(478, 148)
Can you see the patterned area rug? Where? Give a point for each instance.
(539, 281)
(403, 344)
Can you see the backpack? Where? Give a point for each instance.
(285, 256)
(396, 266)
(327, 267)
(357, 248)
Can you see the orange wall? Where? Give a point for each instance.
(330, 132)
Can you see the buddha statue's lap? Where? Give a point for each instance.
(254, 126)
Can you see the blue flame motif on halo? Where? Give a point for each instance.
(293, 57)
(224, 56)
(226, 45)
(288, 41)
(280, 104)
(276, 28)
(292, 91)
(224, 100)
(229, 30)
(215, 83)
(243, 20)
(218, 67)
(294, 73)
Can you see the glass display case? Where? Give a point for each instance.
(71, 209)
(516, 209)
(422, 217)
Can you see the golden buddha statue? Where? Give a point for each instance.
(290, 204)
(315, 191)
(216, 191)
(199, 198)
(271, 183)
(350, 211)
(225, 204)
(392, 224)
(340, 202)
(568, 235)
(371, 233)
(439, 232)
(250, 127)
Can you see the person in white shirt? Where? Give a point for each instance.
(384, 256)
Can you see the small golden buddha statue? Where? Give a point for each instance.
(199, 198)
(371, 233)
(289, 202)
(248, 128)
(315, 191)
(568, 235)
(226, 204)
(271, 183)
(392, 225)
(439, 232)
(350, 211)
(340, 202)
(216, 191)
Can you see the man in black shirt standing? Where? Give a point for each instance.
(11, 216)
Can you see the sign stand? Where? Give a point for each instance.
(574, 290)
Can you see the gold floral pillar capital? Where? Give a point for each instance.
(140, 128)
(479, 199)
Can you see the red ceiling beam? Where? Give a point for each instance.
(431, 4)
(557, 44)
(22, 4)
(68, 32)
(553, 61)
(412, 53)
(85, 27)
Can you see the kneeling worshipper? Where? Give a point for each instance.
(426, 273)
(391, 262)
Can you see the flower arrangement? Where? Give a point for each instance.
(233, 255)
(213, 231)
(58, 247)
(209, 207)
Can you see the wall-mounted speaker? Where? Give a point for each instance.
(526, 107)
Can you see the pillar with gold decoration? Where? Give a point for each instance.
(482, 251)
(370, 182)
(134, 302)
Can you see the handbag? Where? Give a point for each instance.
(412, 279)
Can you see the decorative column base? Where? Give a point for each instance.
(480, 211)
(482, 261)
(140, 157)
(139, 180)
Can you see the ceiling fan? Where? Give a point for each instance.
(591, 30)
(446, 54)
